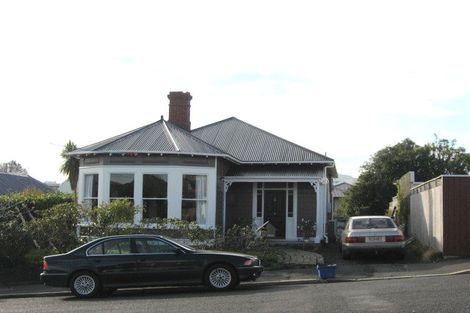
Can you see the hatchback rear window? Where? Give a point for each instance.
(367, 223)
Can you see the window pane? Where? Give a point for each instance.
(118, 246)
(155, 209)
(275, 185)
(96, 250)
(122, 186)
(259, 204)
(290, 203)
(155, 186)
(194, 187)
(90, 203)
(153, 246)
(194, 211)
(188, 210)
(91, 186)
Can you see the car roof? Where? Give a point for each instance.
(369, 216)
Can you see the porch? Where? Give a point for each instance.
(285, 201)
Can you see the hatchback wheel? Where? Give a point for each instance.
(85, 285)
(220, 277)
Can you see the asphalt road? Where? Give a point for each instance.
(433, 294)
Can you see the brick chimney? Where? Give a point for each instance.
(180, 109)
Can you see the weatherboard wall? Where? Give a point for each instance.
(426, 215)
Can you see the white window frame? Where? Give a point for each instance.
(175, 182)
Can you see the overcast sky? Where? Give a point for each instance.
(345, 78)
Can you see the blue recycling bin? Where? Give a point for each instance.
(326, 271)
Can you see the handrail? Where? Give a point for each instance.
(262, 226)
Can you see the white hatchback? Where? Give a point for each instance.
(372, 233)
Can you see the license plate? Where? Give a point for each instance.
(375, 239)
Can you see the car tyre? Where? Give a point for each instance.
(220, 277)
(85, 285)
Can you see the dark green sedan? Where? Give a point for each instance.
(105, 264)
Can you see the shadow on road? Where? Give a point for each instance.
(182, 292)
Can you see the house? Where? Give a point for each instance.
(217, 175)
(11, 182)
(440, 214)
(338, 194)
(63, 187)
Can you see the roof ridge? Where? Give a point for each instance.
(173, 140)
(200, 140)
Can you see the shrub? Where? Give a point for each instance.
(34, 201)
(306, 228)
(14, 241)
(242, 238)
(110, 218)
(56, 227)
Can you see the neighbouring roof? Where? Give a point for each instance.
(10, 183)
(250, 144)
(339, 189)
(230, 138)
(158, 137)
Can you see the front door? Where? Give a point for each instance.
(275, 211)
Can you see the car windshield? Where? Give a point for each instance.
(376, 222)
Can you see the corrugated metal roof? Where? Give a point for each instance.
(17, 183)
(339, 190)
(280, 171)
(231, 138)
(248, 143)
(158, 137)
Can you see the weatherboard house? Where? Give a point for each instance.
(217, 175)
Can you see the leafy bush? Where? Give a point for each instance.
(34, 256)
(34, 201)
(110, 218)
(56, 227)
(306, 228)
(241, 238)
(14, 240)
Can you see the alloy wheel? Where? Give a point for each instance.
(220, 278)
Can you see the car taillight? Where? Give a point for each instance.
(396, 238)
(45, 266)
(355, 239)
